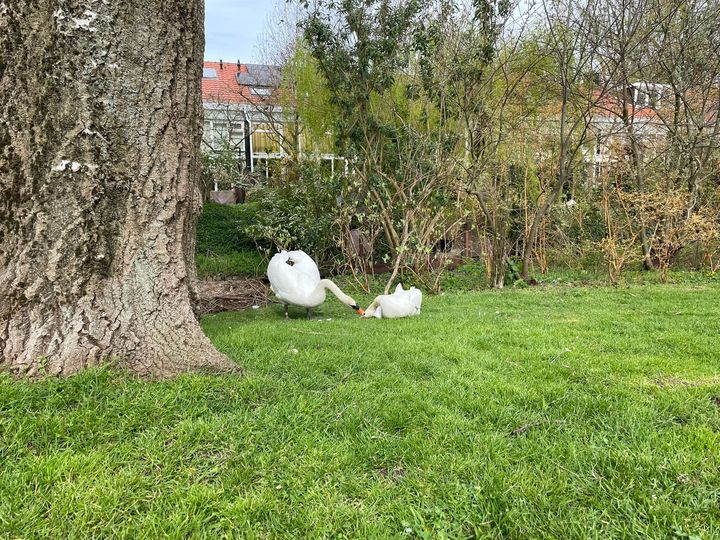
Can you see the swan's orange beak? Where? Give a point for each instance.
(360, 312)
(358, 309)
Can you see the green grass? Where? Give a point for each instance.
(537, 413)
(228, 265)
(221, 228)
(223, 249)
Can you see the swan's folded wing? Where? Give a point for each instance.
(395, 306)
(283, 281)
(402, 303)
(304, 264)
(276, 270)
(293, 284)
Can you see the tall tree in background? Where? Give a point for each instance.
(474, 72)
(685, 47)
(386, 126)
(99, 142)
(622, 28)
(681, 206)
(570, 43)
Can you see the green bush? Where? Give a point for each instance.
(222, 168)
(299, 210)
(222, 228)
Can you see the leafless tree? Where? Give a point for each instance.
(570, 44)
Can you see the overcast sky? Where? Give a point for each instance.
(233, 28)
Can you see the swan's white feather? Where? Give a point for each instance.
(401, 303)
(297, 283)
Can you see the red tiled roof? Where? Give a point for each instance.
(225, 89)
(611, 106)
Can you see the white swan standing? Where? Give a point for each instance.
(295, 280)
(401, 303)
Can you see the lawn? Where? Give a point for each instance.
(538, 413)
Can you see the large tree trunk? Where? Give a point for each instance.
(99, 142)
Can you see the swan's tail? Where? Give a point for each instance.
(415, 297)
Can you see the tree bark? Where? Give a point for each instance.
(99, 140)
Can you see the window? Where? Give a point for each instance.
(258, 91)
(237, 131)
(223, 131)
(209, 73)
(641, 98)
(323, 144)
(650, 95)
(264, 140)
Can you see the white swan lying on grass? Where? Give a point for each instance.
(295, 280)
(401, 303)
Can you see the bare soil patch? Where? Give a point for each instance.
(232, 295)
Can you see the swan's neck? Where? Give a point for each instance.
(330, 286)
(373, 310)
